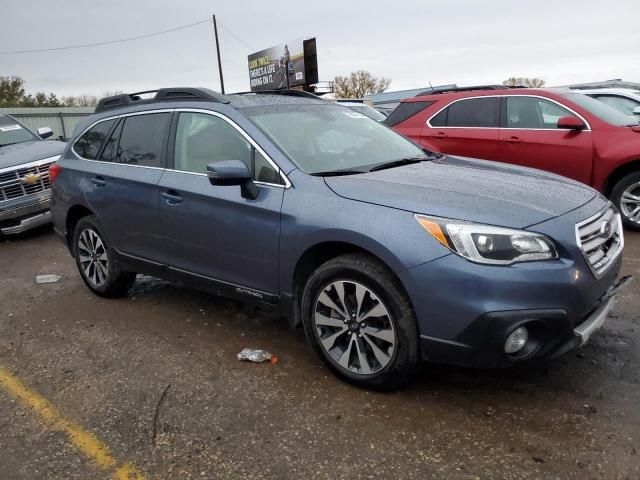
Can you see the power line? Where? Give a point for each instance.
(109, 42)
(237, 37)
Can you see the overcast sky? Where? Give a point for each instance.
(411, 42)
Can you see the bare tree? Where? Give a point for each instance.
(524, 82)
(109, 93)
(358, 84)
(80, 101)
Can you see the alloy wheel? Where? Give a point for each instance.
(354, 327)
(630, 202)
(92, 255)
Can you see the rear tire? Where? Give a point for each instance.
(626, 197)
(360, 322)
(96, 261)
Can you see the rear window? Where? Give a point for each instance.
(404, 111)
(142, 139)
(88, 145)
(481, 112)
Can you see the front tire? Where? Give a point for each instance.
(626, 196)
(95, 261)
(360, 322)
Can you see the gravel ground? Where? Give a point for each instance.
(105, 364)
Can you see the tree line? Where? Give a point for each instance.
(356, 85)
(13, 94)
(361, 83)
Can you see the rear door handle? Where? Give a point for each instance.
(514, 139)
(99, 181)
(171, 197)
(441, 135)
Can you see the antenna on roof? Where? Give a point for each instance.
(430, 86)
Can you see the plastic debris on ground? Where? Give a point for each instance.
(256, 356)
(47, 278)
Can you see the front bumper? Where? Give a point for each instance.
(465, 311)
(551, 334)
(25, 213)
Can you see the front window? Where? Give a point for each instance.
(533, 112)
(12, 132)
(202, 139)
(322, 138)
(601, 110)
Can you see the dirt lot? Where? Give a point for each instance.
(104, 364)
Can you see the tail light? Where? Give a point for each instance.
(54, 171)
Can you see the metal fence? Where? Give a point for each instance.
(62, 120)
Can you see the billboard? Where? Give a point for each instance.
(290, 64)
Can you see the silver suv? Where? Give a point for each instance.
(24, 177)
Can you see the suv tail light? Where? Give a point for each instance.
(54, 171)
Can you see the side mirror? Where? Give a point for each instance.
(233, 172)
(571, 123)
(636, 111)
(44, 132)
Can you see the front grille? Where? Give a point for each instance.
(24, 180)
(600, 239)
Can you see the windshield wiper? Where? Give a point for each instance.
(337, 173)
(398, 163)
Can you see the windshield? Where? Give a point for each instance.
(323, 138)
(601, 110)
(12, 132)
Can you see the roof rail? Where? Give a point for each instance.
(284, 91)
(437, 90)
(161, 95)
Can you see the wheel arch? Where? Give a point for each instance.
(318, 254)
(620, 172)
(74, 214)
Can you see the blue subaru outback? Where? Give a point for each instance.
(385, 253)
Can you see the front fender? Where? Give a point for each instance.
(313, 214)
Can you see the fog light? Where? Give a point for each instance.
(517, 340)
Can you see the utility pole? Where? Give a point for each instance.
(215, 31)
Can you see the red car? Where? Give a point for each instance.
(560, 131)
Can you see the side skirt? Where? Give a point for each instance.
(187, 279)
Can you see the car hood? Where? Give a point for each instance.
(25, 152)
(467, 189)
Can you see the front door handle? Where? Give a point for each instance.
(99, 181)
(514, 139)
(171, 197)
(441, 135)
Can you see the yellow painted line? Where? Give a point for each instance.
(84, 441)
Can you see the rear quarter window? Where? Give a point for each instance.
(480, 112)
(88, 145)
(404, 111)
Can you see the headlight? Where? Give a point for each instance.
(488, 244)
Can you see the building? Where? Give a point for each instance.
(614, 83)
